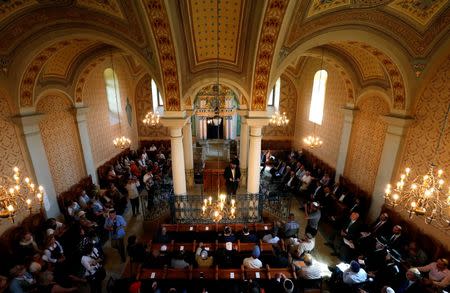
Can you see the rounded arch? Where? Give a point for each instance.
(235, 86)
(371, 91)
(53, 91)
(41, 49)
(384, 45)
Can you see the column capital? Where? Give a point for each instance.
(349, 113)
(173, 122)
(80, 113)
(257, 121)
(397, 125)
(29, 123)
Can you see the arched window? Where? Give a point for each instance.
(112, 89)
(157, 100)
(318, 97)
(274, 97)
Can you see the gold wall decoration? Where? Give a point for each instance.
(110, 7)
(366, 143)
(421, 12)
(423, 133)
(273, 19)
(81, 81)
(159, 22)
(143, 101)
(320, 6)
(61, 142)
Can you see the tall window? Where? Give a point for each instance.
(112, 88)
(157, 100)
(274, 97)
(318, 97)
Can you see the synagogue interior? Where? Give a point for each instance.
(224, 146)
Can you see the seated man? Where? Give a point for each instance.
(178, 261)
(414, 256)
(292, 227)
(304, 245)
(227, 258)
(253, 261)
(271, 237)
(202, 258)
(412, 283)
(247, 237)
(311, 270)
(163, 237)
(305, 181)
(291, 182)
(354, 274)
(438, 273)
(281, 284)
(227, 236)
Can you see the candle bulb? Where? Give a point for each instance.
(210, 200)
(16, 170)
(407, 170)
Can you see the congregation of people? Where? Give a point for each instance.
(64, 256)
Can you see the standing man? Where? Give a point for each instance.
(312, 215)
(232, 176)
(115, 225)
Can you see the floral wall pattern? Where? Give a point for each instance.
(143, 96)
(288, 104)
(422, 136)
(101, 133)
(11, 151)
(335, 98)
(366, 143)
(61, 142)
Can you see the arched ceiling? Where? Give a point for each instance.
(178, 38)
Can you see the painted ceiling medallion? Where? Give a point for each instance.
(421, 11)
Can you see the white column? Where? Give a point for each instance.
(188, 156)
(392, 142)
(243, 151)
(345, 140)
(80, 114)
(33, 139)
(254, 155)
(175, 126)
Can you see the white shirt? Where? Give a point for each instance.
(351, 277)
(439, 278)
(233, 173)
(306, 180)
(89, 262)
(252, 263)
(305, 246)
(152, 148)
(132, 190)
(310, 272)
(269, 239)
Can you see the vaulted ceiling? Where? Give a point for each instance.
(187, 40)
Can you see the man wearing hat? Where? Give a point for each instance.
(354, 274)
(312, 214)
(202, 257)
(253, 261)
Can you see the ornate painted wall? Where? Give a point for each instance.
(12, 152)
(422, 136)
(366, 142)
(101, 133)
(288, 104)
(143, 96)
(331, 128)
(61, 141)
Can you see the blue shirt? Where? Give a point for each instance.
(118, 225)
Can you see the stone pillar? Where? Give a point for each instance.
(345, 140)
(394, 136)
(33, 139)
(188, 156)
(243, 151)
(175, 126)
(254, 154)
(80, 114)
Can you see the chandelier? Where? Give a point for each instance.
(313, 141)
(17, 195)
(219, 209)
(424, 195)
(279, 119)
(151, 119)
(121, 142)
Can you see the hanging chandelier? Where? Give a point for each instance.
(424, 195)
(216, 119)
(219, 209)
(151, 119)
(279, 119)
(313, 141)
(17, 195)
(121, 142)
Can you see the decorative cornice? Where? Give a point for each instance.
(273, 19)
(160, 25)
